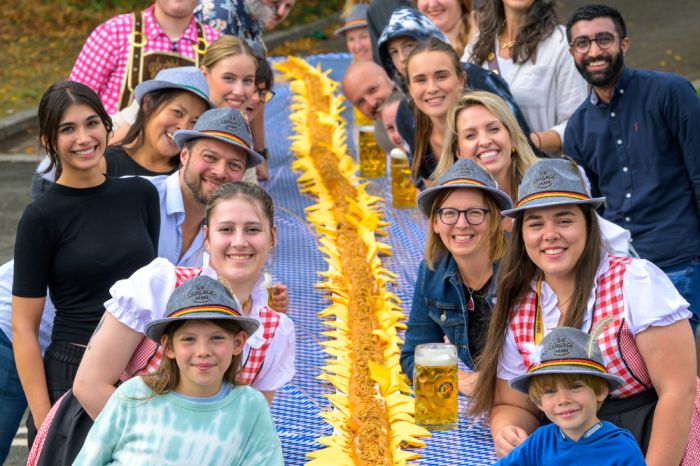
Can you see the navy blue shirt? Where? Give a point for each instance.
(642, 152)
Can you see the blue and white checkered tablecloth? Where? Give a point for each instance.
(296, 263)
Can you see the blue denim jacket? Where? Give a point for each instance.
(436, 293)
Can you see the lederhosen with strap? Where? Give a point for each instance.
(144, 66)
(632, 405)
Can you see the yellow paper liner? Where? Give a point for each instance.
(373, 415)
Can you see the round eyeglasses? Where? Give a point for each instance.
(603, 39)
(474, 216)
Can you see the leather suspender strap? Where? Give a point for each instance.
(492, 62)
(137, 41)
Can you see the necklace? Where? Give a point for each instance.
(470, 303)
(506, 44)
(224, 282)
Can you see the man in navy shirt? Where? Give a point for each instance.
(638, 138)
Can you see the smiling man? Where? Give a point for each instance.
(637, 138)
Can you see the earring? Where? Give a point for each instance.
(512, 150)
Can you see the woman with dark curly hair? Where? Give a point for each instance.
(524, 41)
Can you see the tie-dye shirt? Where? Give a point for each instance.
(168, 429)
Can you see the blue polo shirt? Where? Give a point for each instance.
(642, 152)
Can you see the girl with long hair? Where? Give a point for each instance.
(192, 409)
(557, 272)
(526, 44)
(85, 233)
(456, 286)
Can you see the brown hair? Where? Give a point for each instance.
(516, 272)
(523, 156)
(540, 21)
(54, 104)
(496, 242)
(151, 105)
(463, 35)
(224, 47)
(256, 195)
(167, 377)
(538, 383)
(424, 126)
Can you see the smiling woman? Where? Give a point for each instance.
(59, 243)
(170, 102)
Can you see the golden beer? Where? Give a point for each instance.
(403, 193)
(435, 385)
(372, 157)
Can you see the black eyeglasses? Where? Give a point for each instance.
(603, 39)
(474, 216)
(266, 95)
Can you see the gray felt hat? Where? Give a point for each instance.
(201, 297)
(464, 173)
(566, 350)
(356, 19)
(225, 124)
(552, 182)
(187, 78)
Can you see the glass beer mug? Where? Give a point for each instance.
(435, 385)
(403, 193)
(372, 157)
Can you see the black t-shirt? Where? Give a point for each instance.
(79, 242)
(119, 163)
(478, 319)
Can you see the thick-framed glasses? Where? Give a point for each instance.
(266, 95)
(603, 39)
(474, 216)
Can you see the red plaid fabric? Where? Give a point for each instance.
(270, 320)
(148, 354)
(103, 59)
(621, 355)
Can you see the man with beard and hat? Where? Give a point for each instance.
(638, 138)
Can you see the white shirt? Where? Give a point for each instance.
(142, 298)
(548, 91)
(649, 299)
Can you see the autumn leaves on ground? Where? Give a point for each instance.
(40, 40)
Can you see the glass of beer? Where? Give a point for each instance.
(403, 193)
(435, 385)
(372, 157)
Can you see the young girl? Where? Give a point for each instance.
(556, 272)
(170, 102)
(191, 411)
(456, 286)
(85, 233)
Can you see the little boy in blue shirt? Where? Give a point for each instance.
(568, 381)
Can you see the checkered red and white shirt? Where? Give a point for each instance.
(104, 57)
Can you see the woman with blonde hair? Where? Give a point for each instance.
(504, 151)
(453, 17)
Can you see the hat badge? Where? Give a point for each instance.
(561, 347)
(201, 294)
(232, 125)
(546, 178)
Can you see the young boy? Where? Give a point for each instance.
(568, 382)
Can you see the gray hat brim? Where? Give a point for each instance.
(552, 201)
(426, 198)
(349, 27)
(147, 87)
(521, 383)
(154, 329)
(182, 136)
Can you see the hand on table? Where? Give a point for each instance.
(467, 382)
(507, 438)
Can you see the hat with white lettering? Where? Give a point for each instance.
(552, 182)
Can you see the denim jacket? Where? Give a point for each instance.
(436, 293)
